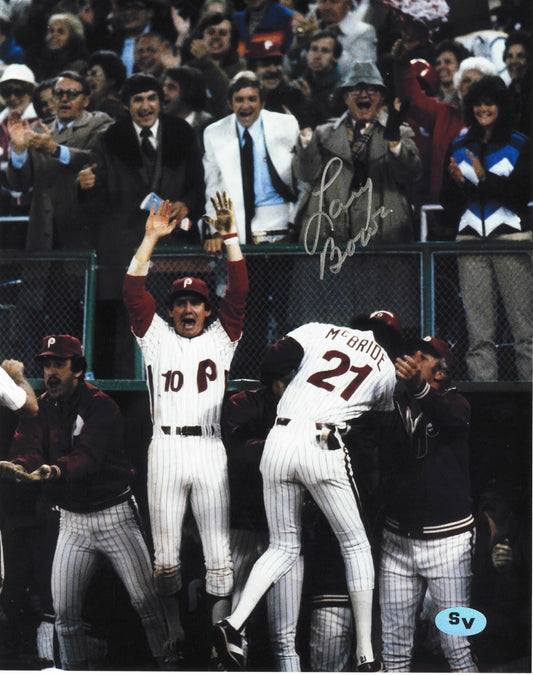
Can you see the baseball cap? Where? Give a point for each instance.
(363, 72)
(189, 285)
(60, 346)
(436, 347)
(263, 49)
(389, 318)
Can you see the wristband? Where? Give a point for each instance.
(231, 238)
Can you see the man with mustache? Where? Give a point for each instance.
(266, 60)
(74, 448)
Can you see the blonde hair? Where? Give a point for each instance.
(73, 23)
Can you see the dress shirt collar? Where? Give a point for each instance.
(154, 129)
(255, 130)
(61, 126)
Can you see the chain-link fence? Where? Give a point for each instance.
(41, 295)
(483, 307)
(427, 285)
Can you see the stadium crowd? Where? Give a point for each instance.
(328, 123)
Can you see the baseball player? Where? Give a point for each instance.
(74, 446)
(186, 367)
(343, 375)
(15, 390)
(428, 528)
(247, 418)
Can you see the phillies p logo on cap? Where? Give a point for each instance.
(60, 346)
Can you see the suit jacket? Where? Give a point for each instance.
(57, 221)
(390, 176)
(222, 158)
(122, 182)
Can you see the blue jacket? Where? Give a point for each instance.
(498, 204)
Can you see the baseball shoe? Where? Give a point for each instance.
(371, 667)
(227, 643)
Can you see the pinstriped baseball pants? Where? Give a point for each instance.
(283, 598)
(405, 568)
(83, 537)
(195, 468)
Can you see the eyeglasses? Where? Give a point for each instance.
(71, 94)
(369, 88)
(8, 91)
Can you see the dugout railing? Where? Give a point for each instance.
(55, 292)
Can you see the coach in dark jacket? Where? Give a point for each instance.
(150, 152)
(124, 173)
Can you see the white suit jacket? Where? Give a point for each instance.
(222, 158)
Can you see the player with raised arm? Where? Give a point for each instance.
(186, 370)
(344, 377)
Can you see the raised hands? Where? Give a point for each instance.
(159, 223)
(477, 166)
(42, 140)
(19, 131)
(408, 370)
(455, 172)
(15, 369)
(225, 221)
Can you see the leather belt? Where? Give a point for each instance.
(327, 440)
(208, 430)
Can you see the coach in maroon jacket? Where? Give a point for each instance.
(428, 525)
(75, 447)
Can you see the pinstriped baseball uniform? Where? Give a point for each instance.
(186, 380)
(342, 374)
(83, 437)
(428, 535)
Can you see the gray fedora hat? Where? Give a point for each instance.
(363, 72)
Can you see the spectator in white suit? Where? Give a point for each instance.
(274, 136)
(249, 154)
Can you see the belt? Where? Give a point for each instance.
(264, 235)
(327, 440)
(320, 426)
(206, 430)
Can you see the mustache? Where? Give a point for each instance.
(53, 380)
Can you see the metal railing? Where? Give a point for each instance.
(55, 292)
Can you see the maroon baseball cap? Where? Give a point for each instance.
(60, 346)
(189, 285)
(437, 348)
(263, 49)
(389, 318)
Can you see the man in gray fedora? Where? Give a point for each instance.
(358, 169)
(370, 146)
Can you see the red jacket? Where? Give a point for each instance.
(442, 121)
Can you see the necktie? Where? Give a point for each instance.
(247, 170)
(146, 145)
(280, 187)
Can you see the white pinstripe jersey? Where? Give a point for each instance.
(186, 377)
(344, 372)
